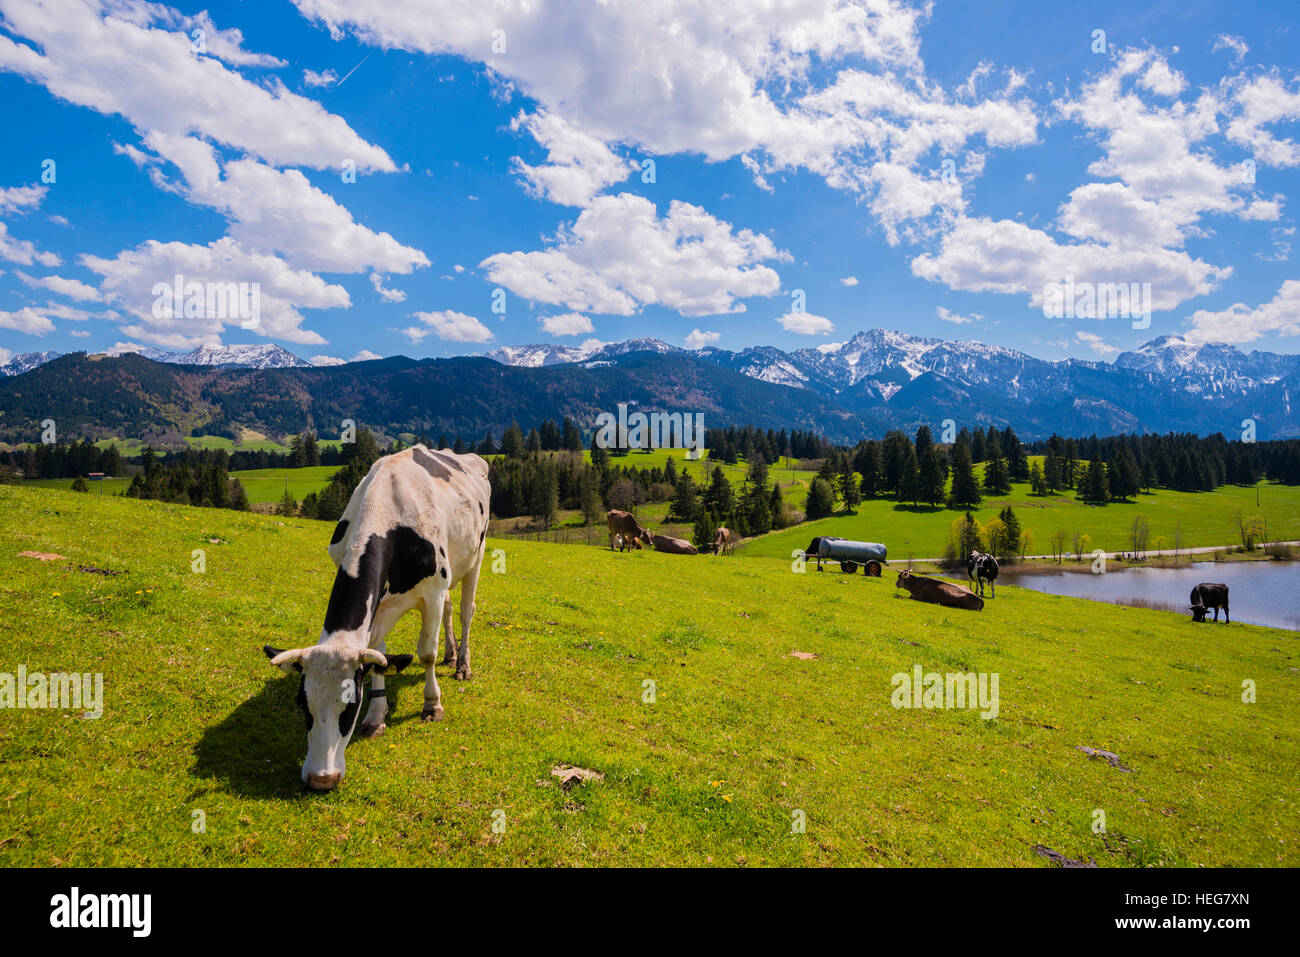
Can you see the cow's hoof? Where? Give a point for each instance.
(373, 730)
(463, 673)
(431, 714)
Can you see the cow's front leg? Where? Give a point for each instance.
(427, 650)
(385, 618)
(373, 723)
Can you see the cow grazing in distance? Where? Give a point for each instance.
(414, 528)
(939, 592)
(674, 546)
(982, 568)
(1208, 595)
(724, 543)
(625, 524)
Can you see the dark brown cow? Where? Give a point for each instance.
(674, 546)
(1208, 595)
(723, 541)
(939, 592)
(625, 524)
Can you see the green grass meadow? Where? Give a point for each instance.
(262, 485)
(1207, 518)
(739, 738)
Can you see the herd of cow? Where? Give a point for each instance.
(626, 533)
(415, 528)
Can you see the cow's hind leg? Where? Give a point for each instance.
(427, 650)
(449, 634)
(468, 586)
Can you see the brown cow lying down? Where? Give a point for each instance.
(939, 592)
(674, 546)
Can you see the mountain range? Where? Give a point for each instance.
(874, 381)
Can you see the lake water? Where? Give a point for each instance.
(1261, 593)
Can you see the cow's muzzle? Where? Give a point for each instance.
(324, 782)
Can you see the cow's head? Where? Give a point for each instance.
(645, 536)
(330, 697)
(903, 578)
(1198, 612)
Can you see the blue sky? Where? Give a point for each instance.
(924, 169)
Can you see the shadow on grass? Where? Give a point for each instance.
(257, 750)
(924, 509)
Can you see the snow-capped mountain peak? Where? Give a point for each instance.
(25, 362)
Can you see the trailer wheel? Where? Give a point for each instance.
(872, 568)
(849, 567)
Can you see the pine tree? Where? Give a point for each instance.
(1095, 487)
(934, 475)
(1011, 526)
(867, 464)
(512, 443)
(1124, 480)
(685, 506)
(850, 492)
(965, 490)
(1037, 483)
(821, 500)
(909, 481)
(719, 499)
(997, 478)
(589, 497)
(704, 529)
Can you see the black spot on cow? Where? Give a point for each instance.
(444, 571)
(480, 508)
(441, 551)
(348, 716)
(447, 459)
(302, 703)
(340, 530)
(399, 561)
(430, 464)
(412, 559)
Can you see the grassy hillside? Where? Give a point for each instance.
(740, 736)
(1207, 518)
(262, 485)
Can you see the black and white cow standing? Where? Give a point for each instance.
(415, 527)
(982, 568)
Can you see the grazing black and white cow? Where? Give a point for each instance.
(1208, 595)
(982, 568)
(415, 527)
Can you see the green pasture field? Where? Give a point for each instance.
(262, 485)
(1207, 518)
(739, 742)
(268, 485)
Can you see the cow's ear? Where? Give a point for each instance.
(372, 660)
(286, 661)
(398, 662)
